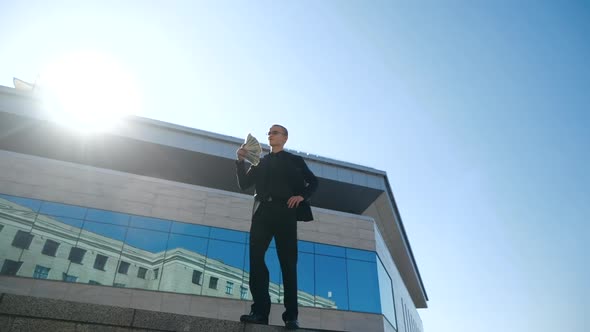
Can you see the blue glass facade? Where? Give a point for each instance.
(76, 244)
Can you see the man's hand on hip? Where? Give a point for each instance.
(294, 201)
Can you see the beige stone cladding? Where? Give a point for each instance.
(64, 182)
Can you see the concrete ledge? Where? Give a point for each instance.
(28, 306)
(25, 324)
(172, 322)
(30, 314)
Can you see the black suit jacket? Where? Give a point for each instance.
(300, 179)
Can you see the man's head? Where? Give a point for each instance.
(277, 136)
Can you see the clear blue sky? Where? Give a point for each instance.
(477, 111)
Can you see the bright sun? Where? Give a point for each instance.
(88, 91)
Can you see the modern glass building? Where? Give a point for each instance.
(149, 216)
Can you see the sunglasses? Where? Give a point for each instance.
(275, 132)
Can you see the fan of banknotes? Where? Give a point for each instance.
(254, 150)
(22, 85)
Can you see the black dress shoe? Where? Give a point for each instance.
(254, 318)
(291, 324)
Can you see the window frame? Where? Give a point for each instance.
(38, 274)
(200, 276)
(22, 239)
(123, 265)
(7, 269)
(213, 281)
(142, 272)
(50, 248)
(229, 287)
(96, 260)
(75, 251)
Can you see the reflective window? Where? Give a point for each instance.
(77, 223)
(224, 262)
(11, 214)
(363, 280)
(69, 277)
(111, 232)
(185, 259)
(152, 241)
(226, 254)
(41, 272)
(10, 267)
(123, 267)
(129, 251)
(105, 242)
(100, 262)
(76, 255)
(63, 210)
(25, 203)
(304, 246)
(363, 255)
(305, 279)
(330, 282)
(22, 239)
(108, 217)
(197, 277)
(150, 245)
(190, 247)
(326, 249)
(50, 248)
(54, 252)
(15, 222)
(405, 316)
(243, 292)
(229, 287)
(228, 235)
(141, 272)
(150, 223)
(386, 295)
(213, 282)
(190, 229)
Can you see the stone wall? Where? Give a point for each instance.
(24, 313)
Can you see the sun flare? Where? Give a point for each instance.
(88, 91)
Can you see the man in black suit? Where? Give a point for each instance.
(284, 185)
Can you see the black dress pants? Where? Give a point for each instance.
(274, 219)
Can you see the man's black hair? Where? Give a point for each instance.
(285, 129)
